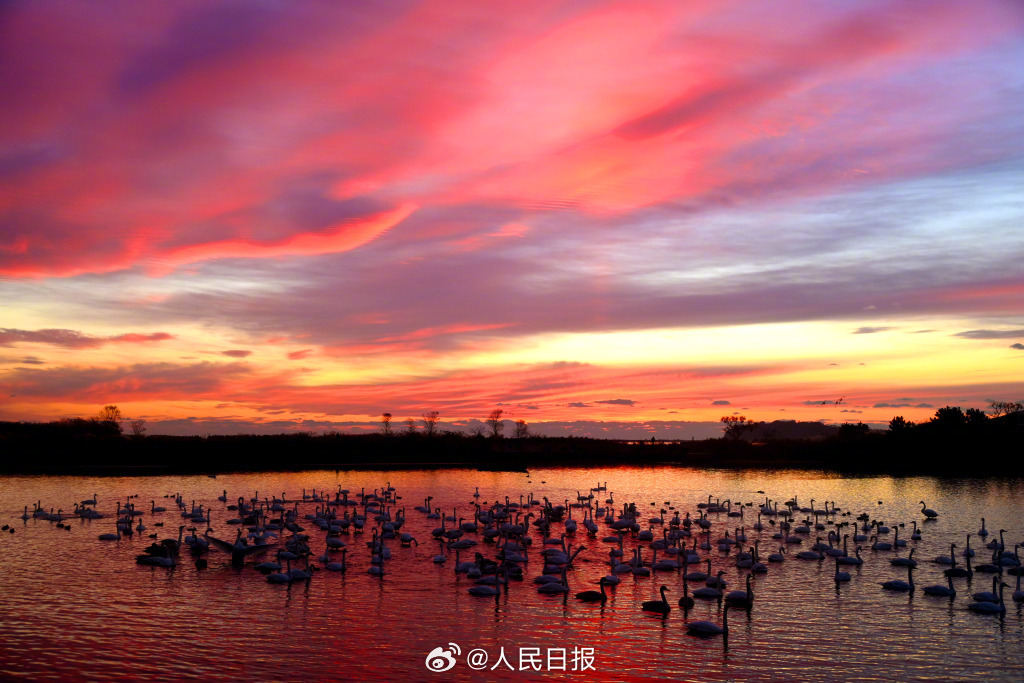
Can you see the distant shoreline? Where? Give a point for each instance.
(990, 450)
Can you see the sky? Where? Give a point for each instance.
(604, 218)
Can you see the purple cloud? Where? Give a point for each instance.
(73, 339)
(990, 334)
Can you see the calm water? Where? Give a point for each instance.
(74, 607)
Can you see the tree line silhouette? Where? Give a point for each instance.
(942, 445)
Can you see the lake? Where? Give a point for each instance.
(75, 607)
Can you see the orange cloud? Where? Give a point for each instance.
(339, 238)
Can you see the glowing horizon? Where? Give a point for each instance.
(234, 217)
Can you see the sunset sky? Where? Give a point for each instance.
(260, 216)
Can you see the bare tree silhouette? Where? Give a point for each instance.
(430, 422)
(495, 422)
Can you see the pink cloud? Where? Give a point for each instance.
(597, 109)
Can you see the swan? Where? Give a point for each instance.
(707, 628)
(659, 606)
(269, 566)
(840, 576)
(990, 607)
(620, 567)
(715, 581)
(901, 586)
(462, 567)
(943, 591)
(779, 556)
(151, 558)
(983, 532)
(836, 552)
(960, 572)
(879, 545)
(928, 512)
(986, 596)
(281, 577)
(547, 578)
(686, 602)
(638, 565)
(612, 579)
(1018, 594)
(594, 596)
(663, 565)
(947, 559)
(707, 593)
(856, 559)
(742, 598)
(698, 575)
(490, 589)
(907, 561)
(556, 587)
(154, 509)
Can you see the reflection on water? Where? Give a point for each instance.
(75, 607)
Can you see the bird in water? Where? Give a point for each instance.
(708, 628)
(594, 596)
(659, 606)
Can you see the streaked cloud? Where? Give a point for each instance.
(991, 334)
(73, 339)
(26, 360)
(539, 207)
